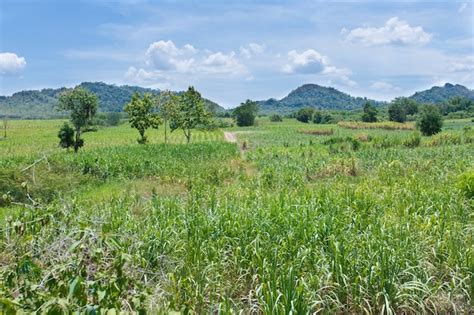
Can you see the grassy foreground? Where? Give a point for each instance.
(346, 221)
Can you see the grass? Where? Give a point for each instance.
(347, 222)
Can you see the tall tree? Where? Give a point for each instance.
(190, 112)
(370, 113)
(82, 106)
(141, 115)
(167, 105)
(244, 115)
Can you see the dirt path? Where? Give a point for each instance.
(230, 137)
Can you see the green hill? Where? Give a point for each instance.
(41, 103)
(441, 94)
(313, 95)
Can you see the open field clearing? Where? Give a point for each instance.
(329, 220)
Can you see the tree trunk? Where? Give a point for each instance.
(78, 139)
(188, 135)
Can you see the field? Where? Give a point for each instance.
(293, 218)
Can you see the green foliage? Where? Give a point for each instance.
(141, 115)
(190, 113)
(442, 94)
(396, 112)
(245, 114)
(466, 184)
(413, 141)
(113, 118)
(304, 115)
(66, 136)
(370, 113)
(81, 105)
(429, 120)
(276, 118)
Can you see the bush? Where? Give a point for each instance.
(113, 119)
(413, 140)
(370, 113)
(429, 120)
(66, 136)
(276, 118)
(305, 114)
(245, 114)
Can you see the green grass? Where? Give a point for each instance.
(353, 222)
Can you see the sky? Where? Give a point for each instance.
(231, 51)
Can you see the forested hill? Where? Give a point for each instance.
(41, 103)
(313, 95)
(441, 94)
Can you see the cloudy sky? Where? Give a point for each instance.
(232, 51)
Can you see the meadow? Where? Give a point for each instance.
(293, 218)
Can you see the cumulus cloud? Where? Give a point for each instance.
(312, 62)
(11, 64)
(395, 31)
(251, 50)
(384, 86)
(164, 61)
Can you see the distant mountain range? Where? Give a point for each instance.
(112, 98)
(313, 95)
(41, 103)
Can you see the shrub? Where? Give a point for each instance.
(445, 139)
(276, 118)
(66, 136)
(305, 114)
(112, 119)
(429, 120)
(318, 132)
(413, 140)
(245, 114)
(396, 112)
(370, 113)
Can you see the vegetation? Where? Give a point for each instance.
(370, 113)
(141, 115)
(387, 125)
(397, 112)
(429, 120)
(245, 114)
(66, 136)
(305, 115)
(348, 221)
(190, 113)
(442, 94)
(276, 118)
(82, 106)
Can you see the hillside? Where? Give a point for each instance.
(440, 94)
(41, 103)
(313, 95)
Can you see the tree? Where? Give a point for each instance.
(305, 114)
(396, 112)
(276, 118)
(66, 136)
(82, 106)
(113, 118)
(317, 117)
(370, 113)
(190, 112)
(167, 105)
(141, 116)
(429, 120)
(245, 114)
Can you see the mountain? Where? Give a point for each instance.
(41, 103)
(313, 95)
(440, 94)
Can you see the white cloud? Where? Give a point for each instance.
(164, 55)
(312, 62)
(395, 31)
(462, 64)
(384, 86)
(462, 7)
(222, 63)
(251, 50)
(11, 64)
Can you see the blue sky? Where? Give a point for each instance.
(235, 50)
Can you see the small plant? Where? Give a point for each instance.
(466, 184)
(276, 118)
(413, 140)
(66, 136)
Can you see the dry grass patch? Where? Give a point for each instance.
(387, 125)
